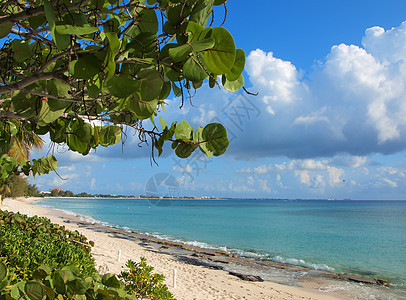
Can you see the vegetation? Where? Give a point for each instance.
(27, 243)
(41, 260)
(84, 71)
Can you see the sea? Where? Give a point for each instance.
(360, 237)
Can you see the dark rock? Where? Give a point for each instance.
(247, 277)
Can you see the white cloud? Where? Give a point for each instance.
(263, 184)
(304, 176)
(335, 174)
(389, 182)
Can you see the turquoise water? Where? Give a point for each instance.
(364, 237)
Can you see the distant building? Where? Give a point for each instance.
(56, 189)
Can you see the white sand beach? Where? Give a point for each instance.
(192, 282)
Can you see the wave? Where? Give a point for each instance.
(253, 254)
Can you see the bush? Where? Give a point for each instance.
(42, 260)
(140, 281)
(27, 243)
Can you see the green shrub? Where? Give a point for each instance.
(40, 261)
(140, 281)
(29, 242)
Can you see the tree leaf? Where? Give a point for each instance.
(143, 110)
(183, 131)
(151, 84)
(34, 291)
(238, 66)
(216, 139)
(22, 50)
(185, 150)
(122, 86)
(78, 30)
(5, 29)
(61, 41)
(85, 67)
(220, 59)
(192, 69)
(109, 135)
(233, 86)
(3, 271)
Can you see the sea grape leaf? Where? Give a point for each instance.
(109, 135)
(185, 150)
(62, 41)
(34, 291)
(143, 110)
(216, 139)
(183, 131)
(3, 271)
(220, 59)
(180, 53)
(22, 50)
(163, 123)
(122, 86)
(48, 115)
(193, 70)
(85, 67)
(233, 86)
(238, 66)
(151, 84)
(113, 49)
(146, 20)
(59, 89)
(110, 280)
(5, 29)
(78, 30)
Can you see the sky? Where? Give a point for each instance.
(329, 121)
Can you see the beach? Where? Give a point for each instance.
(111, 251)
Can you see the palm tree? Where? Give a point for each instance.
(23, 142)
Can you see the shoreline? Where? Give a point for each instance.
(235, 282)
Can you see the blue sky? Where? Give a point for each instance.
(329, 120)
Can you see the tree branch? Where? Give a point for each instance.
(31, 11)
(30, 80)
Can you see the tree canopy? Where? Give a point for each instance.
(84, 70)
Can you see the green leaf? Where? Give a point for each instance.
(59, 89)
(80, 134)
(3, 271)
(113, 49)
(163, 123)
(78, 30)
(201, 12)
(185, 150)
(166, 90)
(192, 69)
(142, 110)
(110, 280)
(151, 84)
(216, 139)
(48, 115)
(22, 50)
(238, 66)
(180, 53)
(61, 41)
(109, 135)
(85, 67)
(147, 20)
(34, 291)
(220, 59)
(5, 29)
(202, 45)
(233, 86)
(122, 86)
(183, 131)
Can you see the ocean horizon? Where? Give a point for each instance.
(365, 237)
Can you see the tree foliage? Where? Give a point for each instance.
(84, 70)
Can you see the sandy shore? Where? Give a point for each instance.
(192, 282)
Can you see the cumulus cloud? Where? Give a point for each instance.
(353, 101)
